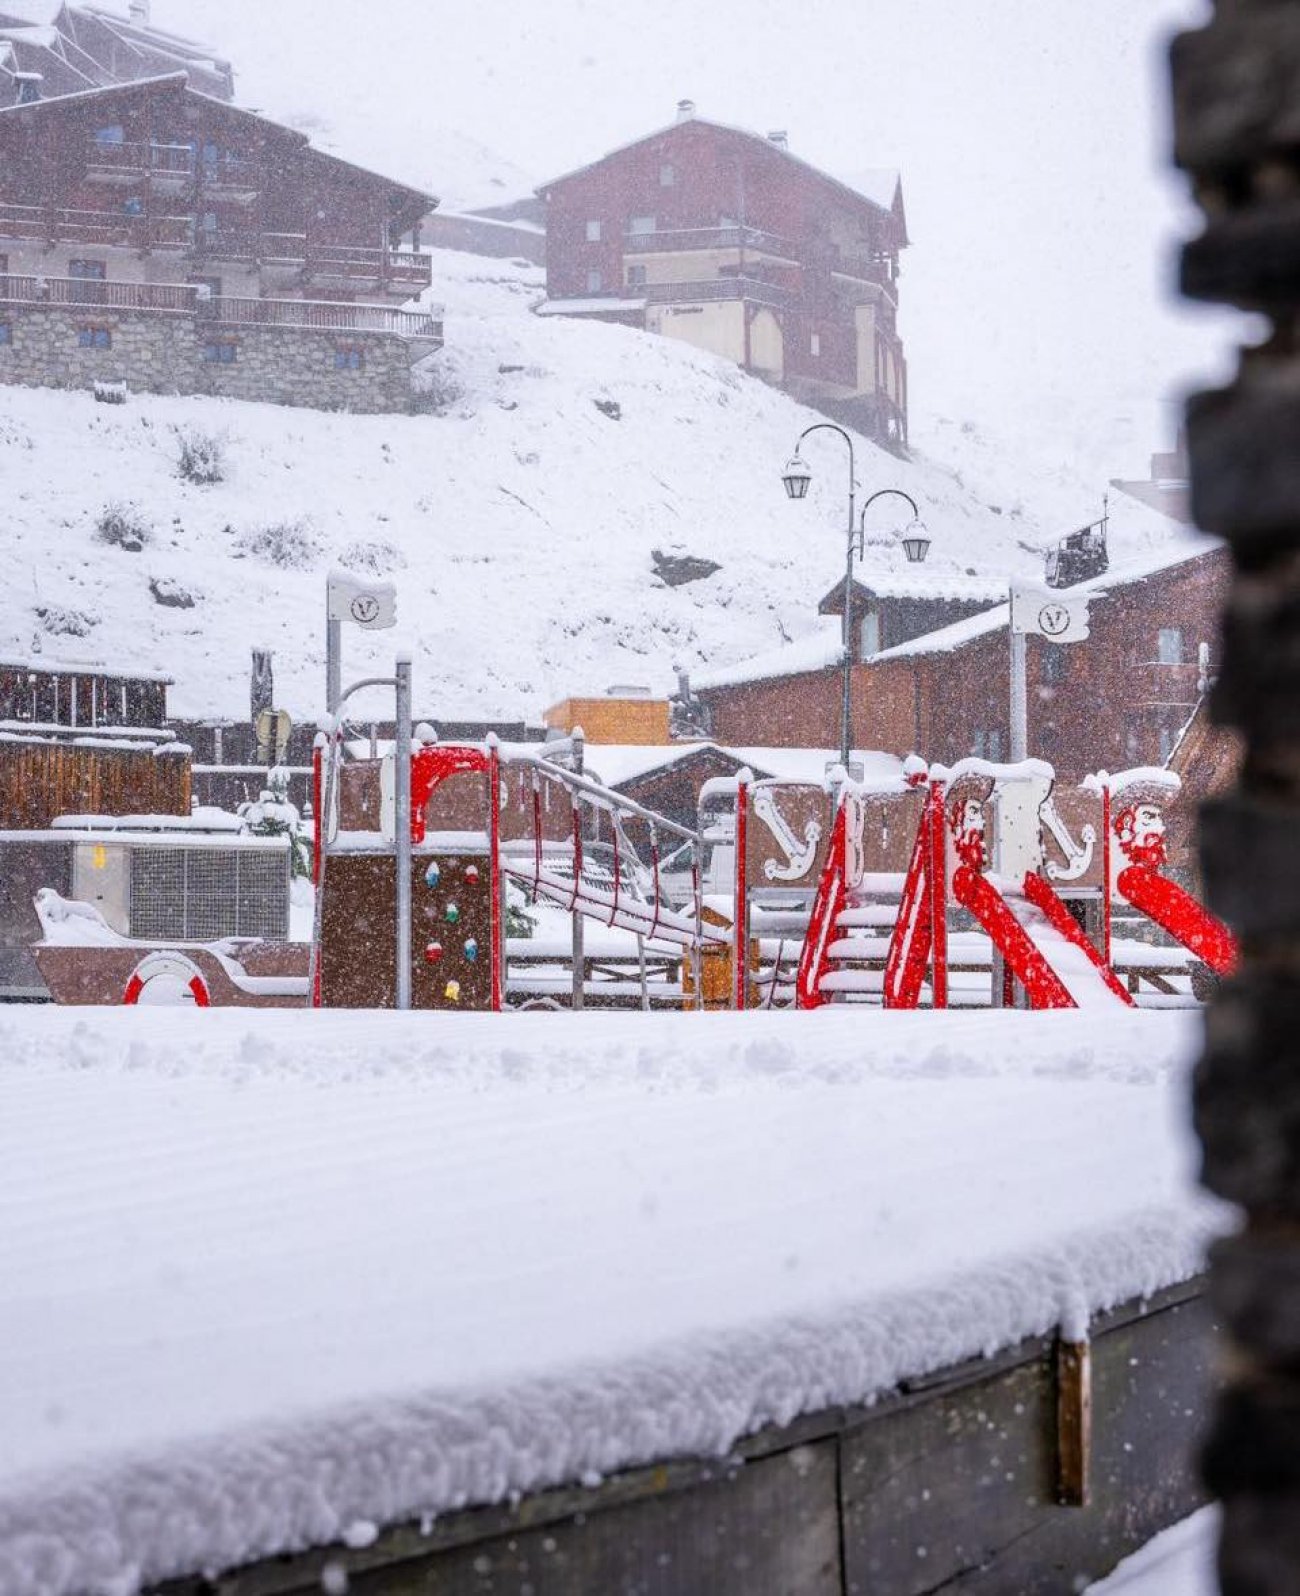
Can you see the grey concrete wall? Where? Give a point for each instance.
(154, 353)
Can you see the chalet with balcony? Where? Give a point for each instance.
(155, 235)
(729, 241)
(49, 48)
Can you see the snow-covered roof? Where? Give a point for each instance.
(102, 89)
(617, 763)
(877, 178)
(589, 307)
(949, 637)
(53, 665)
(819, 650)
(916, 582)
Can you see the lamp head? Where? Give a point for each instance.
(796, 477)
(916, 543)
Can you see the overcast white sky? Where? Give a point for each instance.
(1031, 134)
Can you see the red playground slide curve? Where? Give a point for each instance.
(1043, 946)
(1178, 913)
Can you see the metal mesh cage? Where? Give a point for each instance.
(263, 894)
(158, 893)
(202, 894)
(211, 885)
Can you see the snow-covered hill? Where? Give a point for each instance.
(519, 525)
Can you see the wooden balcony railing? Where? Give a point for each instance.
(325, 315)
(713, 288)
(81, 293)
(404, 270)
(108, 159)
(95, 229)
(676, 240)
(184, 299)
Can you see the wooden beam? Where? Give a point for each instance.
(1073, 1421)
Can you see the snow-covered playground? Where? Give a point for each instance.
(274, 1279)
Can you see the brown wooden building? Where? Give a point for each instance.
(728, 241)
(156, 235)
(82, 738)
(1119, 699)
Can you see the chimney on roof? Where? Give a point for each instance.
(780, 138)
(138, 11)
(685, 110)
(29, 86)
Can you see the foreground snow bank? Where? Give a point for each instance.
(1178, 1562)
(271, 1276)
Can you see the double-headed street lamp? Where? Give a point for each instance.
(916, 545)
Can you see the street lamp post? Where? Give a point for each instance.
(796, 477)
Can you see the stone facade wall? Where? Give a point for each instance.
(154, 353)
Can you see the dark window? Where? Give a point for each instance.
(1054, 658)
(89, 271)
(667, 177)
(133, 205)
(109, 135)
(636, 274)
(595, 282)
(641, 224)
(6, 333)
(220, 354)
(1169, 645)
(94, 337)
(349, 360)
(593, 232)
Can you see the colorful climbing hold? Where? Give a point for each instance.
(433, 952)
(452, 913)
(471, 874)
(452, 992)
(471, 948)
(433, 875)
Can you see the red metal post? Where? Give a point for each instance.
(939, 896)
(317, 794)
(740, 911)
(496, 878)
(1105, 874)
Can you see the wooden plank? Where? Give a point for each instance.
(1073, 1422)
(950, 1483)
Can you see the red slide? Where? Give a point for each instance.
(1178, 913)
(1054, 962)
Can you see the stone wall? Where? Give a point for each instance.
(157, 353)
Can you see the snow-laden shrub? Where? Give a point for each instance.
(123, 526)
(200, 456)
(372, 558)
(272, 815)
(59, 622)
(292, 545)
(436, 391)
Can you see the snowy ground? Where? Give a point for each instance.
(1179, 1562)
(519, 526)
(270, 1278)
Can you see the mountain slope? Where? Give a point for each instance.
(519, 524)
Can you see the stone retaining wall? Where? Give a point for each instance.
(155, 353)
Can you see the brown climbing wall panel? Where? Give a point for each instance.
(451, 931)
